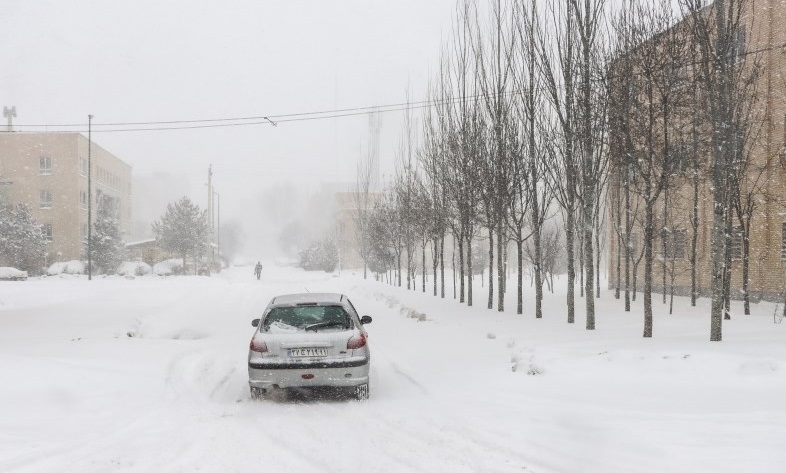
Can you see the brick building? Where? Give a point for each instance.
(48, 172)
(763, 35)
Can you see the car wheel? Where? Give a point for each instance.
(257, 393)
(361, 392)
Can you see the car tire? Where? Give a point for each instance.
(361, 392)
(257, 394)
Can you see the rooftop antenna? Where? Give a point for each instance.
(10, 114)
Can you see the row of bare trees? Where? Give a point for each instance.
(546, 115)
(511, 151)
(683, 123)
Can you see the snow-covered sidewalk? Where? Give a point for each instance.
(149, 375)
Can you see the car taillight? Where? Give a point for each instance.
(258, 346)
(357, 341)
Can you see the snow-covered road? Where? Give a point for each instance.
(150, 375)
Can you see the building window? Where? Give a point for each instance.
(82, 166)
(674, 243)
(45, 165)
(45, 200)
(83, 232)
(46, 229)
(736, 243)
(83, 200)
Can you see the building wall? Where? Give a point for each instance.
(766, 27)
(23, 180)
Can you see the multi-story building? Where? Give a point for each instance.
(48, 172)
(761, 37)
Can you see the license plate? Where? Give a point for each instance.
(305, 352)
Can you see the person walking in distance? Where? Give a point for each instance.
(258, 270)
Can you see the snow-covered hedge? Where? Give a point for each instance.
(67, 267)
(134, 268)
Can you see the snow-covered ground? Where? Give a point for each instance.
(149, 374)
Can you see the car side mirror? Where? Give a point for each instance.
(255, 323)
(366, 319)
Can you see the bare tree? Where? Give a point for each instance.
(556, 49)
(719, 34)
(362, 209)
(650, 51)
(590, 117)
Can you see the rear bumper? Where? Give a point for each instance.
(283, 374)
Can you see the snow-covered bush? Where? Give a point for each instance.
(22, 241)
(108, 245)
(134, 268)
(168, 267)
(321, 255)
(12, 274)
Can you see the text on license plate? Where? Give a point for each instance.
(297, 352)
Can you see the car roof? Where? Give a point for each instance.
(307, 298)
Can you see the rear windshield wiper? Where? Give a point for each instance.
(325, 324)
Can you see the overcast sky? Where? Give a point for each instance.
(154, 60)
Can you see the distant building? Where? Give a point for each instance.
(48, 172)
(346, 228)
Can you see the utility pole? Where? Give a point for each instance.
(89, 198)
(210, 216)
(10, 114)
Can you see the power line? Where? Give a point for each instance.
(252, 120)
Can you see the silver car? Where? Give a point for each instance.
(309, 340)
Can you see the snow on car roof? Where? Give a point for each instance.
(307, 297)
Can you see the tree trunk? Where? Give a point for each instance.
(500, 269)
(663, 239)
(538, 273)
(746, 268)
(398, 268)
(442, 263)
(423, 259)
(648, 233)
(520, 278)
(727, 270)
(589, 255)
(491, 267)
(695, 237)
(569, 239)
(461, 268)
(618, 212)
(597, 255)
(435, 262)
(627, 246)
(469, 271)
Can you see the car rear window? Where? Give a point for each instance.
(303, 317)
